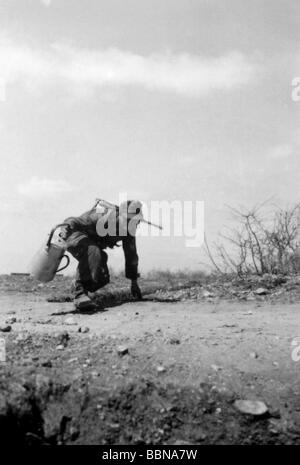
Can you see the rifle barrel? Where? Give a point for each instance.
(152, 224)
(112, 205)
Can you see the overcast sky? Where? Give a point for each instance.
(163, 99)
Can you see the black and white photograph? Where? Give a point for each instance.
(150, 226)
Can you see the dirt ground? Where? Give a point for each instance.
(166, 370)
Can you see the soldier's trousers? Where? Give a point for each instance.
(92, 271)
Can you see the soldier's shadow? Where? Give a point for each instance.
(110, 303)
(106, 301)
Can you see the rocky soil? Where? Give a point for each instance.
(169, 370)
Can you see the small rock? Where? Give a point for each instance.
(251, 407)
(207, 294)
(275, 364)
(122, 350)
(261, 291)
(11, 321)
(47, 363)
(253, 355)
(174, 340)
(5, 328)
(161, 369)
(114, 426)
(60, 347)
(83, 329)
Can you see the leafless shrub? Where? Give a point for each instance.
(261, 242)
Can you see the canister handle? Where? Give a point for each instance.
(63, 267)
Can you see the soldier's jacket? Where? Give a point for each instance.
(83, 228)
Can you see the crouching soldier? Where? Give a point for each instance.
(88, 235)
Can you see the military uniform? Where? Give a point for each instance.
(85, 244)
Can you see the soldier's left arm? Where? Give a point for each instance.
(131, 264)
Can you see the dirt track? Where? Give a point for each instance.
(186, 364)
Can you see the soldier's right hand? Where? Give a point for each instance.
(135, 290)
